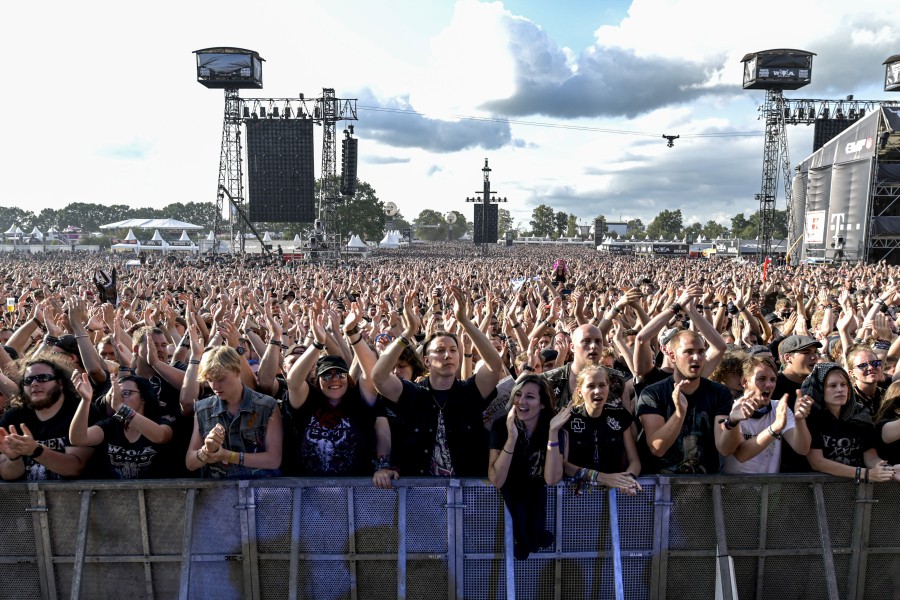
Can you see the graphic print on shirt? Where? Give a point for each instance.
(441, 465)
(35, 471)
(328, 449)
(130, 462)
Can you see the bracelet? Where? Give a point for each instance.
(124, 415)
(241, 460)
(467, 355)
(198, 456)
(579, 474)
(184, 345)
(382, 462)
(275, 343)
(507, 451)
(318, 345)
(233, 458)
(128, 369)
(517, 325)
(402, 341)
(675, 307)
(350, 332)
(552, 444)
(614, 310)
(527, 368)
(358, 340)
(193, 361)
(729, 424)
(771, 431)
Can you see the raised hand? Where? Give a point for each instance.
(802, 406)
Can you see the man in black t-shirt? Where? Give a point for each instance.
(687, 436)
(798, 355)
(34, 432)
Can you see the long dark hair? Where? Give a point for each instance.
(543, 389)
(61, 371)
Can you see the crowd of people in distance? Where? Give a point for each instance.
(523, 366)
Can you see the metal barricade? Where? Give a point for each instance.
(798, 536)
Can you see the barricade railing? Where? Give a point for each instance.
(793, 536)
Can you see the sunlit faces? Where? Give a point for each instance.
(41, 394)
(106, 351)
(527, 402)
(333, 383)
(442, 357)
(587, 344)
(837, 390)
(866, 368)
(802, 361)
(689, 356)
(594, 390)
(761, 384)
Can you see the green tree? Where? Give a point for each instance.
(634, 227)
(560, 220)
(542, 221)
(363, 214)
(504, 222)
(667, 224)
(197, 213)
(713, 230)
(430, 225)
(571, 226)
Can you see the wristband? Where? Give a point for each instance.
(552, 444)
(517, 325)
(729, 424)
(858, 473)
(382, 462)
(358, 340)
(350, 332)
(675, 307)
(507, 451)
(402, 341)
(184, 345)
(39, 449)
(275, 343)
(467, 355)
(193, 361)
(614, 310)
(771, 431)
(241, 459)
(318, 345)
(199, 452)
(527, 368)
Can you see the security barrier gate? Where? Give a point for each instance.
(803, 536)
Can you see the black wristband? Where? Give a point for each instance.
(37, 452)
(318, 345)
(675, 307)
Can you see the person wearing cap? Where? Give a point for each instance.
(798, 354)
(341, 428)
(767, 424)
(237, 431)
(842, 429)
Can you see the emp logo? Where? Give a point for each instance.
(854, 147)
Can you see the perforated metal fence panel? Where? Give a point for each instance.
(789, 537)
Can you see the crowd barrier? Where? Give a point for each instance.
(799, 536)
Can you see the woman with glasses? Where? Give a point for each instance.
(341, 429)
(134, 435)
(865, 371)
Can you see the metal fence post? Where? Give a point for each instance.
(825, 536)
(615, 543)
(660, 563)
(187, 541)
(81, 544)
(44, 551)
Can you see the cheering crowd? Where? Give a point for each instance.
(526, 366)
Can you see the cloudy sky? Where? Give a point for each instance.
(568, 100)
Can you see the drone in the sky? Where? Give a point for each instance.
(671, 139)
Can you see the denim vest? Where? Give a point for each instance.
(245, 432)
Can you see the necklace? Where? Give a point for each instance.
(440, 406)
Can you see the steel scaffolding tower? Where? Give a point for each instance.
(775, 162)
(231, 180)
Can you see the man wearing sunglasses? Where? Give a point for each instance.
(34, 432)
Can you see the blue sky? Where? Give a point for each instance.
(572, 97)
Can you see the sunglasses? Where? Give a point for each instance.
(329, 375)
(875, 364)
(42, 378)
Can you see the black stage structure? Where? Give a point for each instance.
(486, 213)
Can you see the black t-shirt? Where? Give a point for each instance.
(335, 441)
(694, 451)
(655, 375)
(888, 452)
(791, 462)
(529, 456)
(464, 437)
(844, 442)
(141, 459)
(54, 434)
(598, 443)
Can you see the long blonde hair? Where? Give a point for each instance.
(583, 375)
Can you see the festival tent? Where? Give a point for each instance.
(391, 240)
(151, 224)
(267, 238)
(183, 243)
(36, 234)
(356, 244)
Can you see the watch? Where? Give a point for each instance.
(241, 350)
(37, 452)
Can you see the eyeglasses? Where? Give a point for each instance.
(42, 378)
(329, 375)
(128, 393)
(875, 364)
